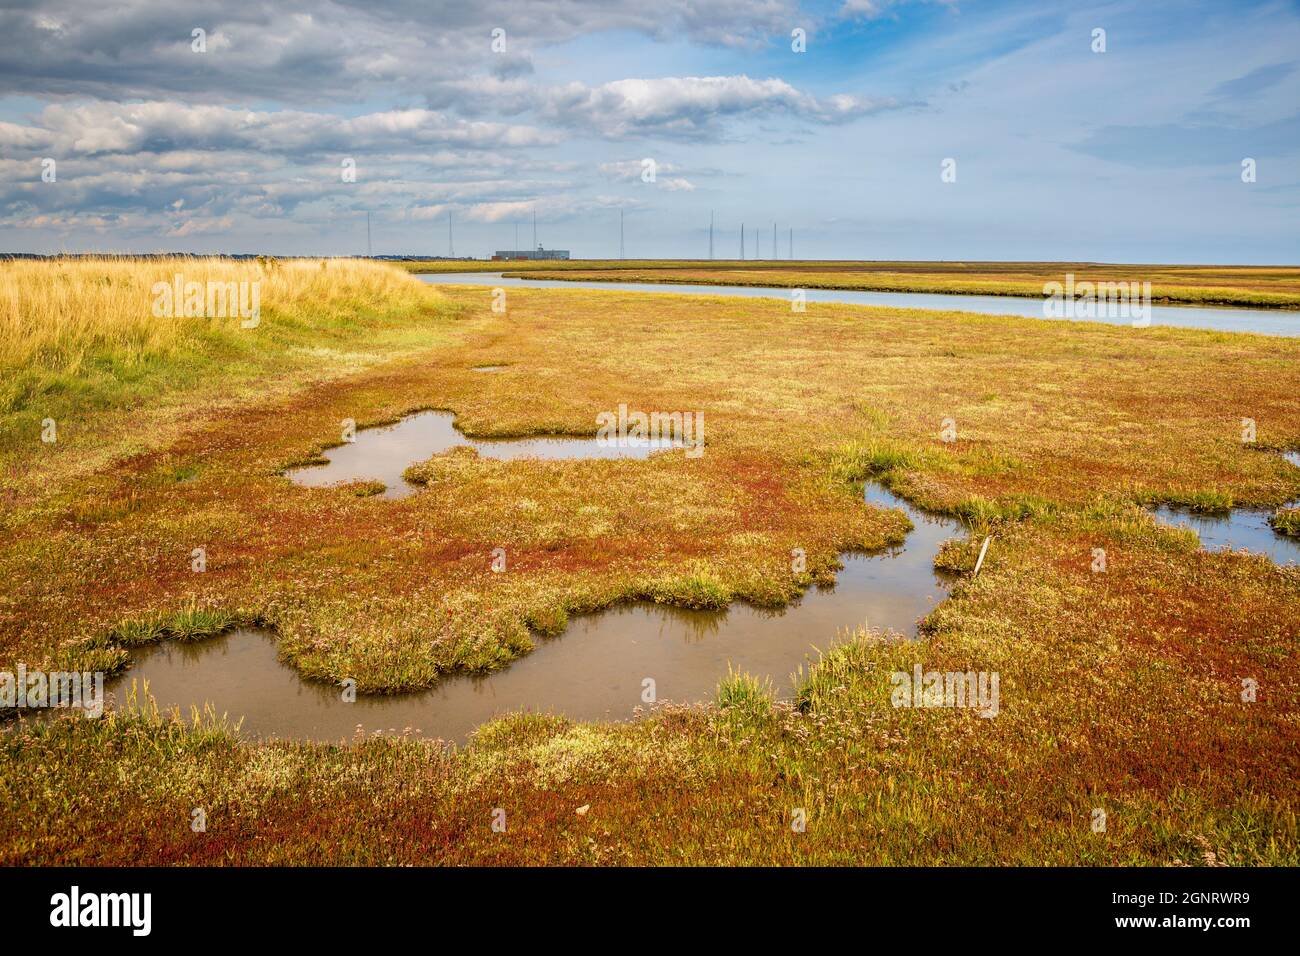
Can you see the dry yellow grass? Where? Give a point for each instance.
(80, 345)
(59, 315)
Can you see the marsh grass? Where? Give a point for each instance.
(190, 623)
(69, 326)
(1121, 687)
(981, 513)
(958, 555)
(139, 631)
(1286, 521)
(80, 345)
(396, 593)
(872, 458)
(195, 624)
(139, 713)
(1201, 500)
(451, 465)
(701, 590)
(1103, 704)
(364, 488)
(848, 659)
(744, 698)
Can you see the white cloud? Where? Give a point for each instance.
(548, 209)
(874, 9)
(690, 105)
(313, 51)
(102, 127)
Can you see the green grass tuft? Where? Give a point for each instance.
(1286, 521)
(745, 698)
(874, 458)
(194, 624)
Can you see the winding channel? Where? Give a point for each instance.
(594, 671)
(1264, 321)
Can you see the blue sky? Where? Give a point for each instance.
(1132, 154)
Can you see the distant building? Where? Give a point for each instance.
(538, 253)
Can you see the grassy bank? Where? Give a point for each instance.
(1253, 286)
(1120, 690)
(81, 345)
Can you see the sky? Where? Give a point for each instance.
(867, 129)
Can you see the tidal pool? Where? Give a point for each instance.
(594, 671)
(1240, 528)
(383, 453)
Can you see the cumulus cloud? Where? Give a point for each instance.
(217, 160)
(874, 9)
(687, 107)
(158, 134)
(691, 105)
(213, 160)
(547, 208)
(632, 170)
(313, 51)
(103, 127)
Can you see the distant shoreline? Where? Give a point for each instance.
(1259, 287)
